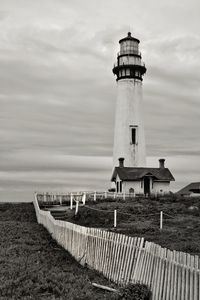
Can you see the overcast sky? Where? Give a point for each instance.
(58, 93)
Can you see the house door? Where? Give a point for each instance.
(147, 185)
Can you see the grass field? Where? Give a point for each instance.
(33, 266)
(141, 217)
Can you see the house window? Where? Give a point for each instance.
(120, 186)
(117, 186)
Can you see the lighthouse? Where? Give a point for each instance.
(129, 139)
(130, 174)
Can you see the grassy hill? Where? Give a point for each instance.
(141, 217)
(33, 266)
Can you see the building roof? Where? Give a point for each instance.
(129, 37)
(131, 174)
(193, 187)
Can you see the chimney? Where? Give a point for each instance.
(121, 162)
(161, 163)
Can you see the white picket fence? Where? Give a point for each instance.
(89, 195)
(171, 275)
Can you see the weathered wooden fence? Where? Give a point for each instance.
(171, 275)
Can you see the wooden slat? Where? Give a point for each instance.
(103, 245)
(107, 244)
(95, 247)
(146, 260)
(122, 262)
(90, 248)
(168, 286)
(153, 267)
(191, 280)
(98, 248)
(144, 264)
(179, 280)
(187, 283)
(172, 280)
(119, 258)
(195, 284)
(109, 254)
(198, 285)
(113, 261)
(139, 249)
(183, 285)
(162, 279)
(154, 273)
(175, 281)
(129, 258)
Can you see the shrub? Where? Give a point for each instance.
(134, 292)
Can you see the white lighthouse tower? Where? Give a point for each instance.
(129, 140)
(130, 174)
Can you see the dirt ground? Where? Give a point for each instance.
(33, 266)
(141, 217)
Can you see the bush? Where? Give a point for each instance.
(134, 292)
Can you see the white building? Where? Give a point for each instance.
(129, 141)
(142, 180)
(129, 138)
(191, 190)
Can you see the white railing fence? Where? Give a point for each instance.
(171, 275)
(62, 198)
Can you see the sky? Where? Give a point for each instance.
(58, 93)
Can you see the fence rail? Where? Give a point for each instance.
(171, 275)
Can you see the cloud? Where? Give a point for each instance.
(58, 93)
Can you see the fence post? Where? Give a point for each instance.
(115, 218)
(95, 196)
(76, 210)
(71, 201)
(124, 196)
(45, 197)
(114, 195)
(161, 220)
(60, 199)
(84, 198)
(105, 194)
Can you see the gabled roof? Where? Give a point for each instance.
(188, 189)
(131, 174)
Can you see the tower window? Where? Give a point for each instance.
(133, 136)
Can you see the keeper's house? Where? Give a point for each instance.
(142, 180)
